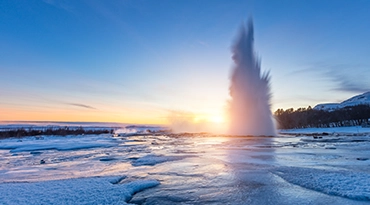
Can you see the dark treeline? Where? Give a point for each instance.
(62, 131)
(358, 115)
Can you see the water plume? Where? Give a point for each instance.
(249, 107)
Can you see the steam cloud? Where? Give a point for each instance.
(250, 112)
(181, 121)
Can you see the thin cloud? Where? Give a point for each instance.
(350, 85)
(344, 77)
(82, 105)
(349, 78)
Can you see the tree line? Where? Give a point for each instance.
(358, 115)
(61, 131)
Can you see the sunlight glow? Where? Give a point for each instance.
(216, 119)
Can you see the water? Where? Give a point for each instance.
(250, 112)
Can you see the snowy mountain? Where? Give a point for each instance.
(356, 100)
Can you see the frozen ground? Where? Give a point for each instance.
(187, 169)
(330, 130)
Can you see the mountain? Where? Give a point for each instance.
(353, 101)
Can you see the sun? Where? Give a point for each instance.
(216, 119)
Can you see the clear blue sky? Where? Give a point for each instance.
(137, 61)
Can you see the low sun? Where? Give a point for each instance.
(216, 119)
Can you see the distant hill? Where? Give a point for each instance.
(363, 99)
(352, 112)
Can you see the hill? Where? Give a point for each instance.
(363, 99)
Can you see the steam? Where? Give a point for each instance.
(250, 112)
(182, 121)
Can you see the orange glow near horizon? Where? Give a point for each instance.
(77, 116)
(212, 120)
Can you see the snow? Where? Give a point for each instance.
(57, 142)
(329, 130)
(93, 190)
(133, 129)
(9, 125)
(356, 100)
(341, 183)
(298, 168)
(328, 106)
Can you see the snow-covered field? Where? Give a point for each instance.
(297, 168)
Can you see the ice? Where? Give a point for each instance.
(330, 130)
(354, 185)
(151, 160)
(196, 168)
(94, 190)
(31, 144)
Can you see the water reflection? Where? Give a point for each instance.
(222, 170)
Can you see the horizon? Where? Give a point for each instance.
(143, 62)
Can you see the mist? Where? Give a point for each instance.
(182, 121)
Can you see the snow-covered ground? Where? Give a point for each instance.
(298, 168)
(362, 99)
(354, 130)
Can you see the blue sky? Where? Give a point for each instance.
(139, 61)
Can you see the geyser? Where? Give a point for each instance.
(250, 112)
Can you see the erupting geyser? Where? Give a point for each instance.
(250, 112)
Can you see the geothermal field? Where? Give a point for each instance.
(252, 164)
(308, 166)
(142, 102)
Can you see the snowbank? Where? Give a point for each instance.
(95, 190)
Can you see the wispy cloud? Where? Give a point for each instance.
(349, 83)
(82, 105)
(345, 77)
(348, 77)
